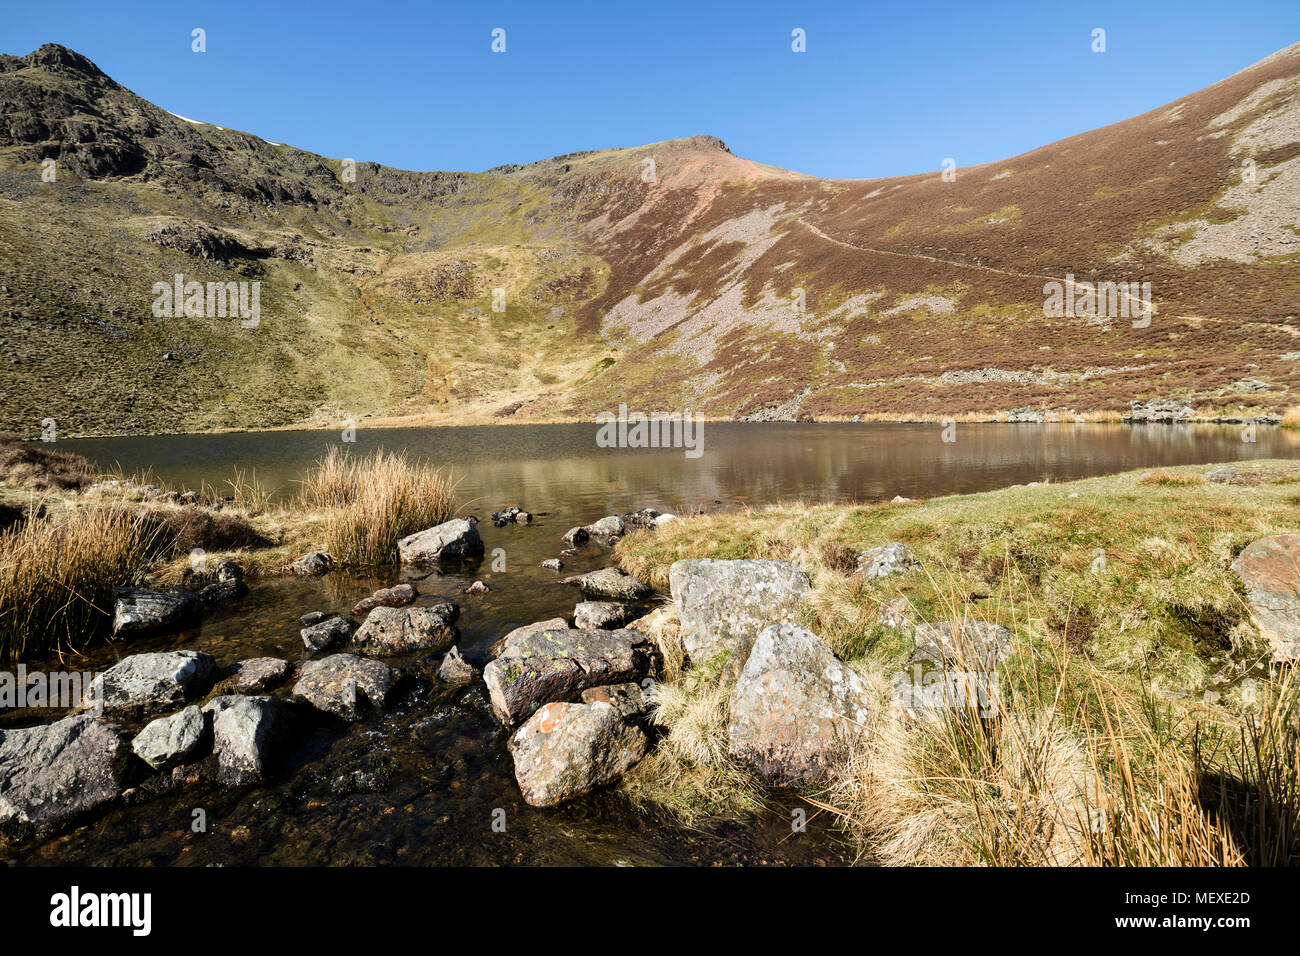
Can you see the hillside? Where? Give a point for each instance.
(921, 297)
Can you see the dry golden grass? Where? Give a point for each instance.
(370, 503)
(1292, 418)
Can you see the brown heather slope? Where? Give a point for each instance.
(923, 298)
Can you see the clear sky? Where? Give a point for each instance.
(883, 88)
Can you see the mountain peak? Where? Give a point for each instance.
(59, 59)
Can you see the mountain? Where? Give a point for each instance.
(673, 276)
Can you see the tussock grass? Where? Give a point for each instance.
(42, 469)
(57, 574)
(1292, 418)
(1123, 733)
(371, 502)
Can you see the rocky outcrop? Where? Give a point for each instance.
(892, 558)
(399, 595)
(609, 584)
(974, 645)
(139, 611)
(393, 630)
(796, 708)
(723, 605)
(54, 774)
(1158, 410)
(245, 734)
(328, 633)
(345, 685)
(151, 683)
(602, 614)
(566, 750)
(168, 741)
(454, 540)
(542, 667)
(1269, 570)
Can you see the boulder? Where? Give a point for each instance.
(511, 515)
(315, 617)
(611, 526)
(546, 666)
(553, 564)
(245, 733)
(223, 592)
(394, 630)
(452, 540)
(343, 684)
(723, 605)
(892, 558)
(602, 614)
(167, 741)
(796, 708)
(139, 611)
(331, 632)
(577, 537)
(610, 584)
(53, 774)
(567, 750)
(253, 676)
(151, 683)
(895, 613)
(499, 645)
(454, 669)
(399, 595)
(478, 587)
(313, 563)
(1221, 475)
(974, 645)
(631, 700)
(1270, 572)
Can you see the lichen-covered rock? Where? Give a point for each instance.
(892, 558)
(567, 750)
(546, 666)
(723, 605)
(553, 624)
(138, 611)
(253, 676)
(399, 595)
(609, 584)
(452, 540)
(329, 633)
(344, 684)
(602, 614)
(167, 741)
(151, 683)
(1270, 571)
(53, 774)
(796, 708)
(245, 734)
(974, 645)
(397, 630)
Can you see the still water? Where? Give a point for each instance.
(420, 784)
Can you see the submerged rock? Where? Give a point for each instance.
(723, 605)
(602, 614)
(344, 684)
(167, 741)
(392, 630)
(245, 733)
(557, 665)
(399, 595)
(148, 611)
(331, 632)
(452, 540)
(54, 774)
(796, 708)
(892, 558)
(566, 750)
(1270, 572)
(150, 683)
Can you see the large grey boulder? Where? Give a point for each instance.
(139, 611)
(553, 624)
(603, 614)
(344, 684)
(977, 646)
(546, 666)
(245, 734)
(1270, 572)
(256, 675)
(396, 630)
(449, 541)
(167, 741)
(892, 558)
(326, 634)
(53, 774)
(609, 527)
(723, 605)
(796, 708)
(609, 584)
(151, 683)
(566, 750)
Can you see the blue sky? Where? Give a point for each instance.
(883, 89)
